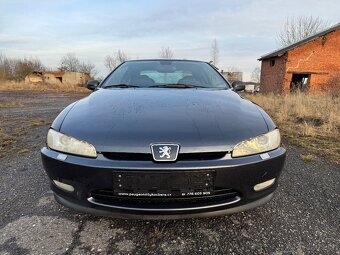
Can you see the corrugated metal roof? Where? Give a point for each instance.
(283, 50)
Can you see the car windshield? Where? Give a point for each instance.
(165, 73)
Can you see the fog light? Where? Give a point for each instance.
(264, 185)
(63, 186)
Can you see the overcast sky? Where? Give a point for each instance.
(245, 30)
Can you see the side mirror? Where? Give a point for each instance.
(92, 84)
(238, 86)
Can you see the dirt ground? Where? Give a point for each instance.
(302, 218)
(21, 115)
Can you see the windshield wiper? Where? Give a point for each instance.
(177, 85)
(120, 86)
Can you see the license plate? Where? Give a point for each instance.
(163, 184)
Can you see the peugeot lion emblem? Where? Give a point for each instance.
(164, 151)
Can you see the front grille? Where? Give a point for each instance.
(128, 156)
(108, 197)
(201, 156)
(148, 156)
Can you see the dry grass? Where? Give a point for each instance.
(23, 151)
(14, 129)
(21, 86)
(311, 121)
(11, 105)
(5, 139)
(307, 157)
(35, 122)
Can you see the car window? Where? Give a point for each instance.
(165, 78)
(150, 73)
(119, 74)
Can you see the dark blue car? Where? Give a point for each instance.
(163, 139)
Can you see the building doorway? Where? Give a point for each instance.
(300, 82)
(59, 78)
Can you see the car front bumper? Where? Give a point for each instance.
(88, 175)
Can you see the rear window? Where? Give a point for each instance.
(166, 78)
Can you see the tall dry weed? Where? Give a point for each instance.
(6, 85)
(312, 120)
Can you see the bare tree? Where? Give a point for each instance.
(26, 66)
(166, 52)
(18, 68)
(112, 61)
(88, 68)
(2, 67)
(121, 57)
(214, 52)
(255, 75)
(6, 68)
(233, 74)
(296, 29)
(70, 63)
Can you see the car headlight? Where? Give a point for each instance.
(267, 142)
(63, 143)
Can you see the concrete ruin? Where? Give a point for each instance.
(58, 78)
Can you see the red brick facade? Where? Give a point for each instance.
(319, 59)
(272, 75)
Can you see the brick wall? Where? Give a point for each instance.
(272, 76)
(320, 57)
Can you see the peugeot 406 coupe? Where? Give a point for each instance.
(163, 139)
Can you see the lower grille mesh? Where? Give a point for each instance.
(108, 197)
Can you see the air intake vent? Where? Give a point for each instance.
(148, 156)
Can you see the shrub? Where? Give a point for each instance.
(332, 87)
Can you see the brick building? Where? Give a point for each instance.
(310, 64)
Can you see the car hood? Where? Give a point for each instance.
(129, 120)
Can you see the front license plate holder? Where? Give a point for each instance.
(163, 184)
